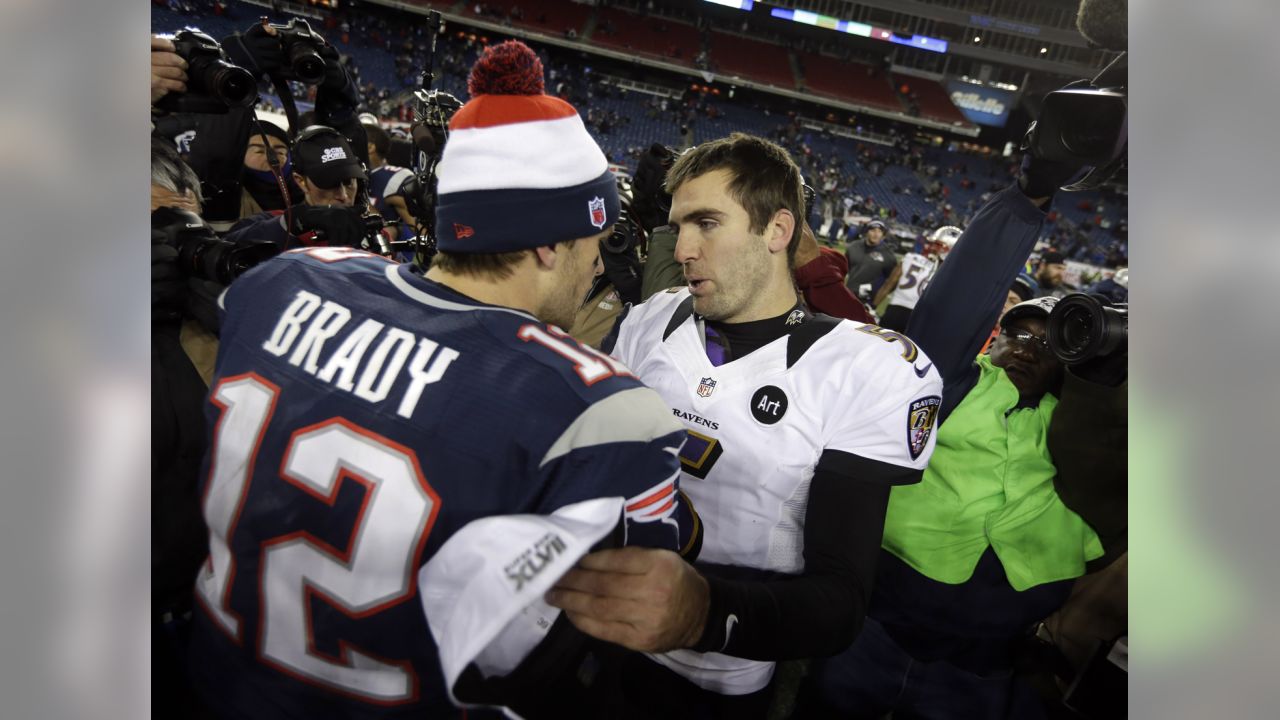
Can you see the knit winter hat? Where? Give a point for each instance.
(519, 169)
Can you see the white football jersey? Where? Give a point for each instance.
(758, 425)
(917, 271)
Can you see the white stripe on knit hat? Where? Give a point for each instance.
(541, 154)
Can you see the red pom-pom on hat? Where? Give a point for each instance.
(508, 68)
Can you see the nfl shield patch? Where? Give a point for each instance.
(596, 208)
(706, 387)
(921, 417)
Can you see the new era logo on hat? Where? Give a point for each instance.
(519, 167)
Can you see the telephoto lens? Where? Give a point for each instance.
(1082, 327)
(210, 73)
(231, 84)
(302, 48)
(306, 64)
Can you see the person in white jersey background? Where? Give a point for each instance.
(911, 278)
(798, 425)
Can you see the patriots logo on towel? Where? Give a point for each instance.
(706, 387)
(596, 208)
(920, 421)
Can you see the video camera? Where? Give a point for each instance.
(201, 253)
(1082, 327)
(214, 83)
(627, 234)
(1087, 123)
(301, 46)
(432, 111)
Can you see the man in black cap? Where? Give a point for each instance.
(329, 173)
(870, 260)
(1050, 273)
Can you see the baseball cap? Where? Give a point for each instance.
(1039, 307)
(1025, 286)
(483, 590)
(876, 224)
(323, 156)
(1053, 257)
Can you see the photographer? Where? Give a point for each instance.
(267, 166)
(332, 180)
(178, 535)
(1017, 502)
(224, 120)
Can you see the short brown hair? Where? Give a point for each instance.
(491, 266)
(765, 179)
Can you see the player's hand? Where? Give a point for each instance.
(645, 600)
(168, 69)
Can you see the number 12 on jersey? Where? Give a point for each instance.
(373, 571)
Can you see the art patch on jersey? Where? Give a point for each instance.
(706, 387)
(768, 405)
(699, 454)
(921, 417)
(595, 207)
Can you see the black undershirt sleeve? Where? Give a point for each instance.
(819, 612)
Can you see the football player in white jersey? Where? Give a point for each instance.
(798, 425)
(909, 280)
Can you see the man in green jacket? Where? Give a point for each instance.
(1008, 513)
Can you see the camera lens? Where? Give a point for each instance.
(232, 85)
(307, 65)
(619, 241)
(1092, 124)
(1081, 327)
(1077, 328)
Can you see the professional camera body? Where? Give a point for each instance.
(1083, 327)
(1087, 123)
(214, 83)
(201, 253)
(301, 46)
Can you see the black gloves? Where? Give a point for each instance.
(1040, 178)
(1109, 370)
(255, 50)
(332, 225)
(335, 75)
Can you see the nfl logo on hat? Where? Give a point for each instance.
(596, 208)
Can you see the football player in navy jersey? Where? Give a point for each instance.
(362, 413)
(798, 426)
(386, 182)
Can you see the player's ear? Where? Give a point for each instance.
(546, 256)
(781, 226)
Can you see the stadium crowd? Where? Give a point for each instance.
(484, 398)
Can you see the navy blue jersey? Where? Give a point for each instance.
(385, 182)
(360, 415)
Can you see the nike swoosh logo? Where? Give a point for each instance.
(729, 622)
(920, 373)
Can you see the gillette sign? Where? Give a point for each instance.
(981, 104)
